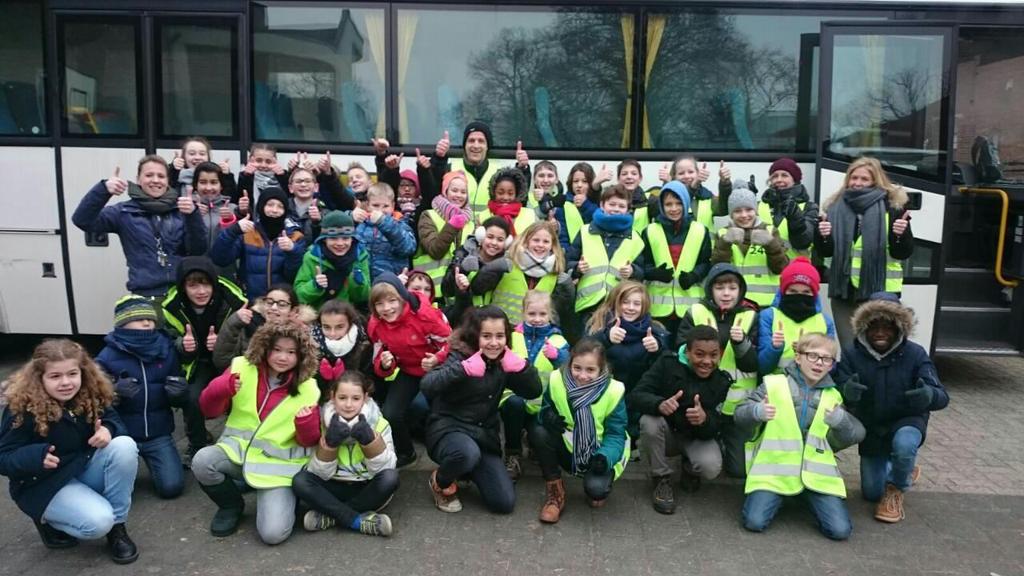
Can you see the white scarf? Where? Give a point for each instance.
(343, 345)
(536, 268)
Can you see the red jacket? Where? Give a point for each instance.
(216, 399)
(410, 337)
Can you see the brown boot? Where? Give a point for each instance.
(554, 501)
(890, 507)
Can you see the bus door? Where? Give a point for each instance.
(135, 81)
(885, 92)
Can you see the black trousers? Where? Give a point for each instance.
(554, 457)
(343, 501)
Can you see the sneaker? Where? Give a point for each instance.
(404, 460)
(375, 524)
(515, 469)
(663, 497)
(915, 474)
(890, 507)
(315, 521)
(446, 499)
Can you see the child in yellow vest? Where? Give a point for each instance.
(442, 229)
(798, 423)
(795, 311)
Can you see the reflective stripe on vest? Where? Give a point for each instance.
(779, 460)
(743, 382)
(478, 193)
(541, 363)
(601, 409)
(764, 212)
(510, 291)
(893, 267)
(669, 298)
(603, 274)
(267, 450)
(762, 285)
(793, 331)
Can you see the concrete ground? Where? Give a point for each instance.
(965, 516)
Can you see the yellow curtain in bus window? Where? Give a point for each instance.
(407, 21)
(375, 33)
(655, 30)
(627, 42)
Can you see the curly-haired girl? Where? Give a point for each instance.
(270, 433)
(70, 463)
(508, 198)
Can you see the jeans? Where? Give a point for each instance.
(401, 392)
(895, 469)
(161, 457)
(761, 506)
(458, 455)
(734, 458)
(275, 507)
(554, 456)
(344, 501)
(660, 442)
(89, 505)
(513, 419)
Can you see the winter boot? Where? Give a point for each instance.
(122, 549)
(230, 506)
(554, 501)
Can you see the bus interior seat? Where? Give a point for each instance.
(284, 116)
(356, 121)
(964, 174)
(7, 123)
(22, 105)
(542, 101)
(448, 110)
(985, 158)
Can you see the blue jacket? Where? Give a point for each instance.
(767, 355)
(22, 450)
(390, 243)
(148, 414)
(138, 229)
(630, 361)
(263, 264)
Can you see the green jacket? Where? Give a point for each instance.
(355, 289)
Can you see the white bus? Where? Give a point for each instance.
(933, 89)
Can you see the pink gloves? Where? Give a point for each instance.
(458, 221)
(328, 372)
(474, 365)
(510, 362)
(550, 352)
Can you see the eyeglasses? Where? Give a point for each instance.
(823, 359)
(278, 303)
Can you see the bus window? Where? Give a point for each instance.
(22, 78)
(198, 82)
(551, 79)
(100, 80)
(319, 73)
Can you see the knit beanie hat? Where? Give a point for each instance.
(132, 307)
(446, 181)
(271, 193)
(741, 196)
(337, 224)
(411, 176)
(800, 271)
(787, 165)
(478, 126)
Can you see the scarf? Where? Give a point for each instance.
(340, 266)
(477, 171)
(535, 337)
(272, 226)
(612, 222)
(635, 330)
(162, 205)
(508, 211)
(865, 207)
(584, 432)
(147, 345)
(533, 267)
(447, 209)
(799, 307)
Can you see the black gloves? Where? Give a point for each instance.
(337, 432)
(362, 432)
(126, 387)
(552, 420)
(176, 389)
(660, 274)
(687, 279)
(853, 390)
(920, 397)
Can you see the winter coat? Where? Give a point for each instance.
(227, 183)
(883, 407)
(22, 450)
(419, 329)
(801, 222)
(667, 377)
(148, 414)
(775, 250)
(434, 242)
(746, 351)
(214, 224)
(247, 182)
(355, 289)
(138, 229)
(390, 243)
(369, 467)
(847, 432)
(614, 442)
(469, 404)
(630, 361)
(429, 182)
(262, 262)
(768, 356)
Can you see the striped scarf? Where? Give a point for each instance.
(584, 432)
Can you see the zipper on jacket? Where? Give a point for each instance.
(259, 409)
(145, 400)
(270, 257)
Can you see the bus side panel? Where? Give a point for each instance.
(33, 293)
(29, 198)
(98, 273)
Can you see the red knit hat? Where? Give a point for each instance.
(787, 165)
(800, 271)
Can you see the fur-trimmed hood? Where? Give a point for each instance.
(308, 350)
(887, 309)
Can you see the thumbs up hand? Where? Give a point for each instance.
(294, 162)
(549, 350)
(736, 334)
(250, 167)
(284, 242)
(668, 406)
(421, 160)
(100, 436)
(115, 184)
(696, 415)
(188, 342)
(825, 227)
(664, 173)
(359, 215)
(185, 203)
(778, 337)
(324, 165)
(724, 173)
(380, 146)
(314, 212)
(616, 334)
(428, 362)
(394, 161)
(650, 342)
(225, 166)
(626, 270)
(178, 161)
(603, 176)
(899, 225)
(522, 158)
(243, 202)
(320, 278)
(582, 266)
(50, 460)
(441, 149)
(834, 417)
(246, 225)
(244, 314)
(703, 173)
(211, 339)
(765, 411)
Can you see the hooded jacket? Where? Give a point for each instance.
(768, 356)
(746, 351)
(390, 243)
(883, 407)
(675, 233)
(667, 377)
(146, 415)
(355, 288)
(179, 311)
(234, 335)
(419, 329)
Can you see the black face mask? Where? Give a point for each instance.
(799, 307)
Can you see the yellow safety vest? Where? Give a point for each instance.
(479, 193)
(573, 220)
(893, 267)
(703, 211)
(541, 363)
(601, 410)
(510, 291)
(764, 212)
(669, 298)
(350, 454)
(793, 331)
(436, 269)
(781, 460)
(641, 219)
(268, 451)
(523, 221)
(604, 272)
(172, 321)
(762, 285)
(481, 299)
(743, 382)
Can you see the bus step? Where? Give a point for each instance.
(972, 325)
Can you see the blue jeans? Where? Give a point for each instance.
(90, 504)
(458, 455)
(761, 506)
(895, 469)
(164, 463)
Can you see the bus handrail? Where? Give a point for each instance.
(1004, 211)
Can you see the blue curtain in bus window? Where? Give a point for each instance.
(356, 121)
(542, 103)
(738, 103)
(266, 126)
(448, 113)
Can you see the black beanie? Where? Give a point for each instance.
(478, 126)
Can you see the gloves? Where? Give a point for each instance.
(552, 420)
(329, 372)
(789, 208)
(511, 362)
(458, 221)
(550, 352)
(920, 397)
(853, 389)
(834, 417)
(337, 432)
(563, 277)
(687, 279)
(126, 387)
(733, 235)
(470, 264)
(362, 432)
(660, 274)
(598, 464)
(502, 265)
(760, 237)
(176, 389)
(474, 365)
